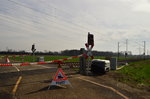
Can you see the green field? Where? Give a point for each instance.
(46, 58)
(136, 73)
(34, 58)
(50, 58)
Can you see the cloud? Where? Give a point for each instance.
(56, 25)
(142, 6)
(139, 5)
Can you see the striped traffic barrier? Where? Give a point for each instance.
(46, 62)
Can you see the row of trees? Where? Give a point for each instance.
(73, 52)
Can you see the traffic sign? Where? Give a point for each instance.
(33, 49)
(60, 78)
(89, 51)
(89, 45)
(90, 39)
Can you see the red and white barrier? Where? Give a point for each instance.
(47, 62)
(7, 60)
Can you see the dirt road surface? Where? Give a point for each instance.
(32, 82)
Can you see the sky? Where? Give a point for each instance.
(56, 25)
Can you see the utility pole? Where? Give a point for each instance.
(126, 53)
(118, 49)
(144, 49)
(126, 45)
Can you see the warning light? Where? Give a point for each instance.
(90, 39)
(33, 48)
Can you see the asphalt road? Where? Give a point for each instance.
(32, 82)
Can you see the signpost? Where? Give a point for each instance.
(60, 78)
(33, 51)
(89, 45)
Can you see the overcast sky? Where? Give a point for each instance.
(56, 25)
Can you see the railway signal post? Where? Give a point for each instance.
(83, 62)
(89, 45)
(33, 51)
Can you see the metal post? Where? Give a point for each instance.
(118, 49)
(32, 56)
(82, 62)
(33, 51)
(113, 63)
(144, 49)
(126, 48)
(126, 45)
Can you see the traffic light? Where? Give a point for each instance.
(33, 48)
(90, 39)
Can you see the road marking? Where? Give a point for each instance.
(114, 90)
(16, 85)
(43, 66)
(121, 67)
(16, 68)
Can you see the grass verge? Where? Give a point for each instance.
(136, 73)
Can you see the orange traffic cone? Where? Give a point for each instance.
(7, 60)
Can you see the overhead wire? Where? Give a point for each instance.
(26, 26)
(32, 9)
(23, 23)
(49, 19)
(68, 13)
(57, 20)
(79, 26)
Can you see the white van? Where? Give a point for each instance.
(99, 66)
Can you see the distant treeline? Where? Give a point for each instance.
(73, 52)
